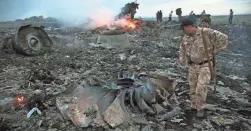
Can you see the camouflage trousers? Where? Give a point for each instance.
(199, 80)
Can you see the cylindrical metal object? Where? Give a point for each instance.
(31, 41)
(113, 39)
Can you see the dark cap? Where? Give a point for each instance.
(186, 22)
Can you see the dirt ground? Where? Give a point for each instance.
(76, 57)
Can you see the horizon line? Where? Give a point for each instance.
(135, 16)
(187, 15)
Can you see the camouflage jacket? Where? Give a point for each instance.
(193, 47)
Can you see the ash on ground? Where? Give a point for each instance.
(76, 57)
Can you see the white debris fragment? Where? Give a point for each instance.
(32, 111)
(236, 77)
(122, 56)
(93, 45)
(183, 124)
(131, 57)
(220, 83)
(175, 38)
(176, 120)
(67, 56)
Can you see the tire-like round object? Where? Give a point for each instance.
(31, 41)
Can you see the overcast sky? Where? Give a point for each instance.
(75, 9)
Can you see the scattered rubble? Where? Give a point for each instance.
(48, 82)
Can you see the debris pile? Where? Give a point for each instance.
(152, 99)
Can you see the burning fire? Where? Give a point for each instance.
(127, 23)
(131, 25)
(104, 18)
(20, 99)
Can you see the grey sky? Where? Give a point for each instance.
(77, 10)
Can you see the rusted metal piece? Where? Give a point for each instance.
(28, 40)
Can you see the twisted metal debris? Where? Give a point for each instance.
(115, 102)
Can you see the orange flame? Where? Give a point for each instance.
(131, 25)
(20, 99)
(128, 24)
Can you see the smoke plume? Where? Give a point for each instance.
(93, 13)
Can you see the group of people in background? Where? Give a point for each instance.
(159, 15)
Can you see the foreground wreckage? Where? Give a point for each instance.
(114, 104)
(29, 40)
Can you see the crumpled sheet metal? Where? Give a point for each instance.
(97, 105)
(69, 107)
(83, 106)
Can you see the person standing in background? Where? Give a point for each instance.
(160, 15)
(231, 16)
(205, 23)
(191, 13)
(170, 16)
(203, 13)
(157, 16)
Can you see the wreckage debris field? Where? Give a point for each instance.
(37, 81)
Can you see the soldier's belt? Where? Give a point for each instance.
(201, 63)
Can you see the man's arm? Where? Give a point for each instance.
(182, 52)
(219, 39)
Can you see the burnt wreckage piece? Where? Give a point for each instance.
(151, 94)
(28, 40)
(115, 102)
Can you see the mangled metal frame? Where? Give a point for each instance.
(114, 103)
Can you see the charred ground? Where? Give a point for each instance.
(75, 57)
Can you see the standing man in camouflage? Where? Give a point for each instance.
(192, 50)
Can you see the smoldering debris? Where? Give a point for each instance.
(76, 57)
